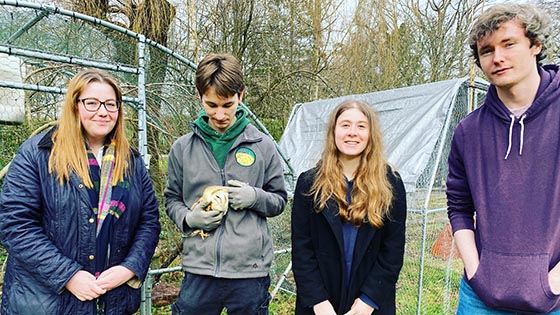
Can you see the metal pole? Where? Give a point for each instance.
(142, 132)
(146, 296)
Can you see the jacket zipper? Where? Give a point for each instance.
(219, 240)
(223, 178)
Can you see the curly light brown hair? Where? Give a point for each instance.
(536, 23)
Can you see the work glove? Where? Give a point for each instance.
(241, 195)
(199, 218)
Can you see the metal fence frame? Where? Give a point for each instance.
(140, 70)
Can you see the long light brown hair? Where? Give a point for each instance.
(69, 151)
(372, 193)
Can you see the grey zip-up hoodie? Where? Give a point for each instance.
(241, 247)
(507, 169)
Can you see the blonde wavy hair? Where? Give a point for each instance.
(69, 151)
(372, 192)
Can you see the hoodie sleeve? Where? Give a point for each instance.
(460, 207)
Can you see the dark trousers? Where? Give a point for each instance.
(205, 295)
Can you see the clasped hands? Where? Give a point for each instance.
(85, 286)
(359, 307)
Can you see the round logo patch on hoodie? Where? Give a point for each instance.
(245, 157)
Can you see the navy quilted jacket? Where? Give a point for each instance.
(49, 232)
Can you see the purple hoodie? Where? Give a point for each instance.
(508, 171)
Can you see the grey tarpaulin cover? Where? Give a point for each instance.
(412, 120)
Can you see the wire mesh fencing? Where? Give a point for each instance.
(429, 280)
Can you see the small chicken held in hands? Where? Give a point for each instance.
(216, 198)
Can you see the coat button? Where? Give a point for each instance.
(91, 220)
(91, 257)
(81, 186)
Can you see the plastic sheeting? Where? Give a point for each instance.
(12, 101)
(412, 120)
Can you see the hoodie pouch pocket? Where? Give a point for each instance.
(514, 282)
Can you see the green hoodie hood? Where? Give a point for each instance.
(221, 143)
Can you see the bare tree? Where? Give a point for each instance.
(284, 47)
(394, 43)
(444, 26)
(378, 49)
(153, 19)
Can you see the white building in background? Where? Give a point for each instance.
(12, 101)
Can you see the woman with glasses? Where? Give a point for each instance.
(78, 214)
(348, 221)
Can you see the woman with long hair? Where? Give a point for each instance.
(78, 213)
(348, 221)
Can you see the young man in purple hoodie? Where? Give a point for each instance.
(504, 166)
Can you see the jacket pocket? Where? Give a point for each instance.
(514, 282)
(30, 298)
(133, 299)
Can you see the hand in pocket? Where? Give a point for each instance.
(471, 270)
(554, 279)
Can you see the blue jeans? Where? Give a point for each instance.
(470, 304)
(205, 295)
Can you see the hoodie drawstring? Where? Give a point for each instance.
(512, 116)
(522, 135)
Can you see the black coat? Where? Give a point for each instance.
(318, 253)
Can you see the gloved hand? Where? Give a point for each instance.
(241, 195)
(199, 218)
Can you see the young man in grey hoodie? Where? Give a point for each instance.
(228, 268)
(504, 166)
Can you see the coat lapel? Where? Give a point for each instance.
(331, 215)
(365, 236)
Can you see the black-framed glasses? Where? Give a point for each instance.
(91, 104)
